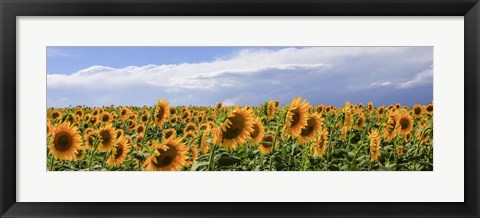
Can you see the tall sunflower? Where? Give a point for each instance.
(119, 152)
(65, 142)
(405, 124)
(107, 138)
(321, 143)
(162, 110)
(374, 145)
(429, 108)
(271, 109)
(236, 128)
(391, 126)
(168, 156)
(314, 125)
(297, 117)
(204, 145)
(258, 131)
(360, 122)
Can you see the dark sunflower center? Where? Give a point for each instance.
(55, 115)
(311, 124)
(105, 118)
(430, 108)
(105, 137)
(166, 157)
(168, 134)
(295, 117)
(140, 129)
(124, 112)
(256, 131)
(119, 134)
(190, 128)
(90, 140)
(404, 123)
(144, 118)
(63, 141)
(159, 114)
(119, 151)
(236, 127)
(417, 111)
(267, 139)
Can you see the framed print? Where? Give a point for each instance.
(247, 109)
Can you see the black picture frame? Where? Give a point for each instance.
(10, 9)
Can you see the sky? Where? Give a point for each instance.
(201, 76)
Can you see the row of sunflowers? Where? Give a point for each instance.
(295, 137)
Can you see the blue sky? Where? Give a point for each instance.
(97, 76)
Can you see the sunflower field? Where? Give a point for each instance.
(295, 137)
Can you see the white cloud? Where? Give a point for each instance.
(249, 77)
(423, 77)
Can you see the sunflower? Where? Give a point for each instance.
(219, 105)
(320, 108)
(423, 136)
(417, 110)
(145, 116)
(93, 121)
(204, 146)
(79, 112)
(173, 119)
(348, 116)
(131, 124)
(140, 130)
(173, 110)
(370, 107)
(96, 112)
(236, 129)
(162, 111)
(119, 152)
(266, 145)
(380, 110)
(360, 121)
(55, 114)
(105, 117)
(297, 117)
(200, 119)
(119, 133)
(271, 109)
(374, 145)
(170, 155)
(89, 137)
(65, 142)
(125, 113)
(192, 155)
(405, 124)
(314, 125)
(190, 127)
(190, 135)
(258, 131)
(320, 146)
(391, 126)
(107, 138)
(169, 133)
(185, 115)
(429, 108)
(80, 153)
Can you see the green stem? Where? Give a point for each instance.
(91, 157)
(290, 157)
(273, 148)
(212, 153)
(52, 160)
